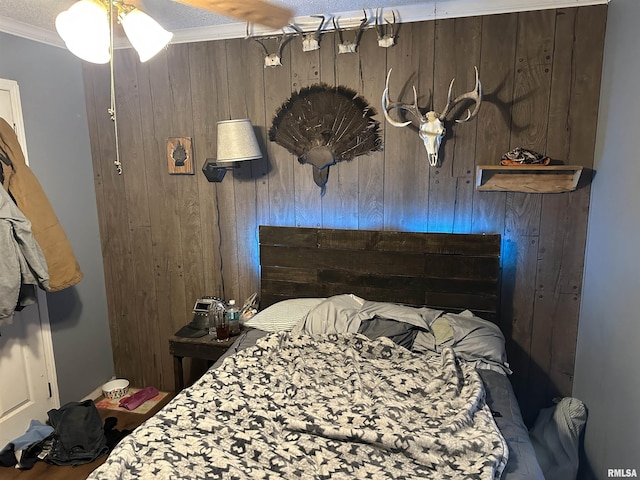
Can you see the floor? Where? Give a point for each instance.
(41, 470)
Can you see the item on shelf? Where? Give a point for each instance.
(222, 328)
(135, 400)
(524, 156)
(215, 316)
(115, 389)
(233, 318)
(249, 308)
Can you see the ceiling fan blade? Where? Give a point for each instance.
(252, 11)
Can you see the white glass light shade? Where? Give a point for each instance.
(237, 141)
(145, 34)
(85, 31)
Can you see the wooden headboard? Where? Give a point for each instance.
(450, 272)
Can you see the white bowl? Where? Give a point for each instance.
(115, 389)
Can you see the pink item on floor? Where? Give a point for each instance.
(134, 401)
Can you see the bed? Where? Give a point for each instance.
(375, 355)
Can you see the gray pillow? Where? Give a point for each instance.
(420, 317)
(344, 314)
(337, 314)
(477, 340)
(400, 333)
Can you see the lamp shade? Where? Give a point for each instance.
(237, 141)
(84, 27)
(145, 34)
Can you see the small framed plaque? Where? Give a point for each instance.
(180, 156)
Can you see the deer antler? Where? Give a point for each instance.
(310, 40)
(432, 124)
(249, 37)
(283, 41)
(387, 105)
(272, 59)
(386, 38)
(350, 47)
(475, 95)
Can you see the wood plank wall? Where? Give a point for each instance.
(168, 239)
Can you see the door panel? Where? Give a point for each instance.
(28, 388)
(24, 394)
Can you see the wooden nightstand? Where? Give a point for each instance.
(205, 348)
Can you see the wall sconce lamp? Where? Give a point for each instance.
(87, 30)
(236, 143)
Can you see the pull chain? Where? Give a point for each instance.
(112, 109)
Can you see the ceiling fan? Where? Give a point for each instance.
(252, 11)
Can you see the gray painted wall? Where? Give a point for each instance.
(607, 377)
(53, 106)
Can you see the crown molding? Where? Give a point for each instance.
(24, 30)
(428, 10)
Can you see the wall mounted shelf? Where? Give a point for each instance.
(528, 178)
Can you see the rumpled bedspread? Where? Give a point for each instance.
(334, 406)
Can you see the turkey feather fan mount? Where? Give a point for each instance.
(322, 125)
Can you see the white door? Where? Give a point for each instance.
(28, 386)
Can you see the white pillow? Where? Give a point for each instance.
(282, 316)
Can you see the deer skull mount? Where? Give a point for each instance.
(272, 59)
(310, 40)
(346, 46)
(432, 124)
(386, 35)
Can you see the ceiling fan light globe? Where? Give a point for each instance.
(88, 53)
(145, 34)
(84, 27)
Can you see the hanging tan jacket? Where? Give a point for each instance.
(30, 198)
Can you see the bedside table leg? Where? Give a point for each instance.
(178, 375)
